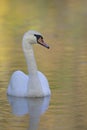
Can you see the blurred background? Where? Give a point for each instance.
(64, 27)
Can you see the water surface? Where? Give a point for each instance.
(63, 24)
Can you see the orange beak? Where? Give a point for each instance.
(41, 42)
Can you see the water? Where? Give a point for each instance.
(63, 24)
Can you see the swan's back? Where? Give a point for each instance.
(18, 86)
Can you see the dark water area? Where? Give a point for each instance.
(63, 25)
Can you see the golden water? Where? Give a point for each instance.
(64, 26)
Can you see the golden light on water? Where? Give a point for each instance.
(63, 25)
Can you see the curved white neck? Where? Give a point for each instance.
(29, 55)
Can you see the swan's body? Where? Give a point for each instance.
(35, 84)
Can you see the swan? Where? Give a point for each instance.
(35, 84)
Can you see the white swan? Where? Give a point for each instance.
(35, 84)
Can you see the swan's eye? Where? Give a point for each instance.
(41, 41)
(38, 37)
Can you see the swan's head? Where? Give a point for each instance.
(34, 37)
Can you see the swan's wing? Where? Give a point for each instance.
(44, 83)
(18, 84)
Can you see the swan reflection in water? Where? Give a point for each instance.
(34, 106)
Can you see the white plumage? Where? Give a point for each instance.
(35, 84)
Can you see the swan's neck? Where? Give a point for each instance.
(34, 84)
(29, 55)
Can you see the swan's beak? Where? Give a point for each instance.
(41, 42)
